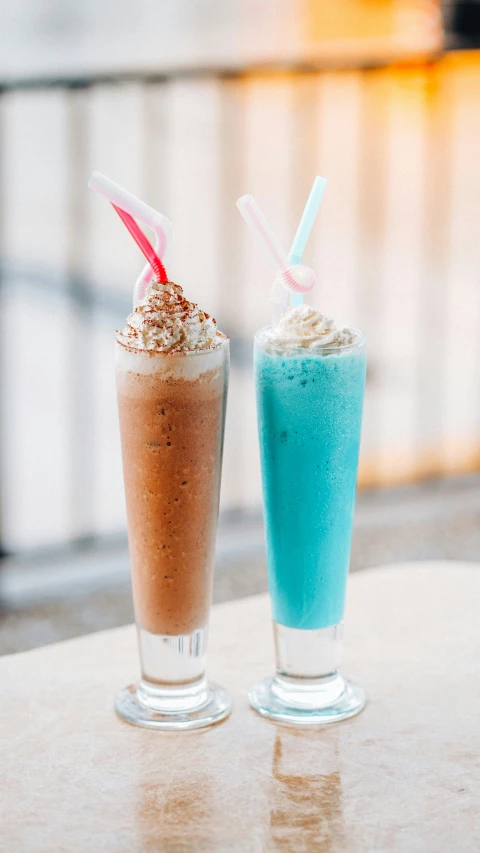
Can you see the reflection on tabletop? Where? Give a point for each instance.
(305, 806)
(290, 798)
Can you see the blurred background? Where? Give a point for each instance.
(189, 104)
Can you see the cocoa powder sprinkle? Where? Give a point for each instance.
(165, 321)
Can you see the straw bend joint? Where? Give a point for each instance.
(130, 208)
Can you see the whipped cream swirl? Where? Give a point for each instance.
(164, 321)
(302, 326)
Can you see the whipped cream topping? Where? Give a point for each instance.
(302, 326)
(164, 321)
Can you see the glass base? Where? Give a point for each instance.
(174, 708)
(306, 701)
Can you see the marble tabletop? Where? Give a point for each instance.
(402, 776)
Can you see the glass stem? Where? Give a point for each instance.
(173, 670)
(307, 654)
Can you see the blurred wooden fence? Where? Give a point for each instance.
(395, 248)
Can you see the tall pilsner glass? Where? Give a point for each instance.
(309, 405)
(172, 416)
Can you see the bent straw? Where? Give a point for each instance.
(143, 244)
(256, 221)
(304, 228)
(127, 204)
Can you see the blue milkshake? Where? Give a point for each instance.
(310, 380)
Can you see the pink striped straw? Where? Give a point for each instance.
(130, 208)
(298, 278)
(143, 244)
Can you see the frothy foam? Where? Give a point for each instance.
(188, 366)
(303, 327)
(165, 321)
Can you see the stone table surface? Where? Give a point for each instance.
(402, 776)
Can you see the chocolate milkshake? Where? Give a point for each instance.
(172, 376)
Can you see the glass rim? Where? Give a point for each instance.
(357, 344)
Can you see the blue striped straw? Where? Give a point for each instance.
(305, 226)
